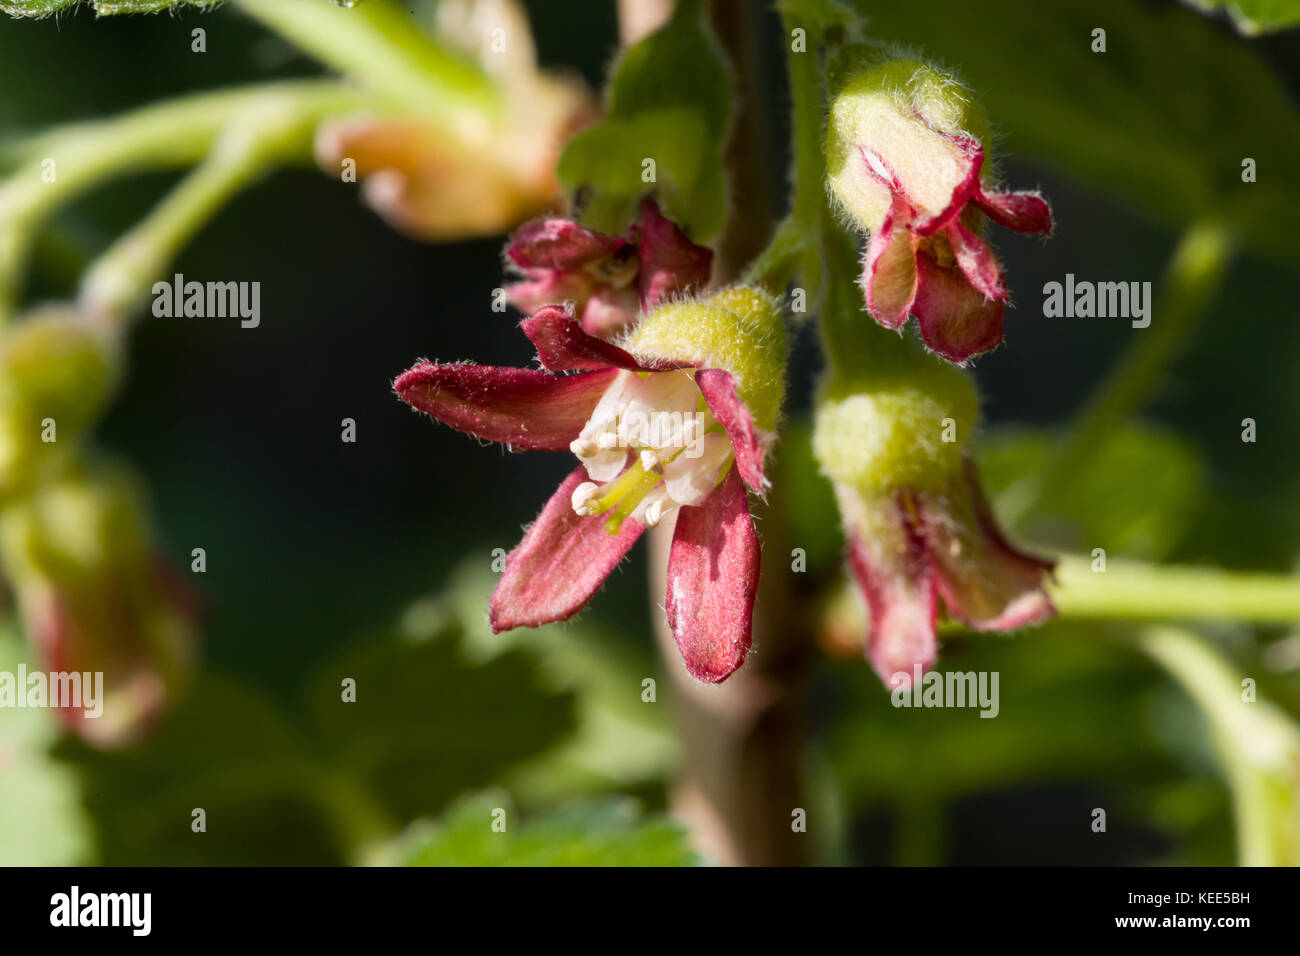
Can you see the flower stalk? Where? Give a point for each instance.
(270, 132)
(1135, 591)
(1255, 743)
(163, 136)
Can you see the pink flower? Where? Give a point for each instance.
(610, 279)
(906, 161)
(912, 548)
(931, 262)
(654, 433)
(97, 599)
(894, 445)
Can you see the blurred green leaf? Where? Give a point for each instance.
(604, 833)
(669, 101)
(427, 724)
(42, 8)
(1256, 744)
(225, 750)
(1068, 707)
(1256, 16)
(1074, 708)
(1142, 490)
(42, 822)
(620, 741)
(1165, 116)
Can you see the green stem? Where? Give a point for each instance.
(273, 130)
(362, 825)
(1193, 276)
(775, 266)
(163, 136)
(919, 831)
(806, 117)
(381, 46)
(1256, 744)
(852, 344)
(1141, 592)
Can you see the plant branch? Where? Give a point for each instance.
(380, 46)
(743, 741)
(163, 136)
(272, 131)
(1256, 744)
(1142, 592)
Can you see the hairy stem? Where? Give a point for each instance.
(810, 213)
(1142, 592)
(775, 266)
(745, 157)
(742, 773)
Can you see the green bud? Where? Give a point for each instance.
(56, 373)
(96, 598)
(738, 330)
(895, 431)
(902, 121)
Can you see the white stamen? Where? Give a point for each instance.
(582, 494)
(649, 460)
(583, 447)
(655, 512)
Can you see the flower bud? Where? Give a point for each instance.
(609, 279)
(905, 149)
(96, 599)
(56, 373)
(918, 525)
(474, 173)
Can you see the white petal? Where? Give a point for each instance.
(606, 464)
(689, 480)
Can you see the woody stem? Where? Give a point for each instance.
(742, 741)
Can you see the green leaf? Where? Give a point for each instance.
(1138, 497)
(669, 101)
(42, 822)
(619, 741)
(224, 750)
(428, 724)
(1068, 707)
(1253, 17)
(1165, 116)
(42, 8)
(603, 833)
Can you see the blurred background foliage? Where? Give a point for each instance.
(373, 560)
